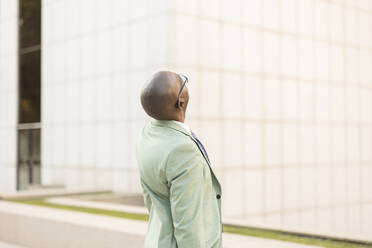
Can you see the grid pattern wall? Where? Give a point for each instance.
(281, 94)
(8, 94)
(96, 57)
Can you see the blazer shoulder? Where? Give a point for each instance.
(183, 154)
(180, 141)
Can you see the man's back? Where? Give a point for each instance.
(179, 189)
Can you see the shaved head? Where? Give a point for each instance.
(159, 97)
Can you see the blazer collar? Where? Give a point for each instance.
(170, 124)
(176, 126)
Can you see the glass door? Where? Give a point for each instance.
(29, 173)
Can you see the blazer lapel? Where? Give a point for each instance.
(201, 150)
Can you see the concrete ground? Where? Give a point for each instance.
(41, 227)
(230, 241)
(240, 241)
(8, 245)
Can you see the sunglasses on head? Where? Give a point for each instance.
(185, 80)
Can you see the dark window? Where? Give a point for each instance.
(30, 87)
(29, 61)
(30, 23)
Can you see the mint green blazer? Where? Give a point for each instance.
(181, 192)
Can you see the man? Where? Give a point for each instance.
(181, 192)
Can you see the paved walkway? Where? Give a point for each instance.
(230, 241)
(240, 241)
(8, 245)
(77, 224)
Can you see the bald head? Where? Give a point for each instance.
(159, 97)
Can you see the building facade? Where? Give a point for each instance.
(281, 95)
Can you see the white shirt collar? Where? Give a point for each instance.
(183, 125)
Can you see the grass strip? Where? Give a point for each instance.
(241, 230)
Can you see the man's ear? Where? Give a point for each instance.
(181, 103)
